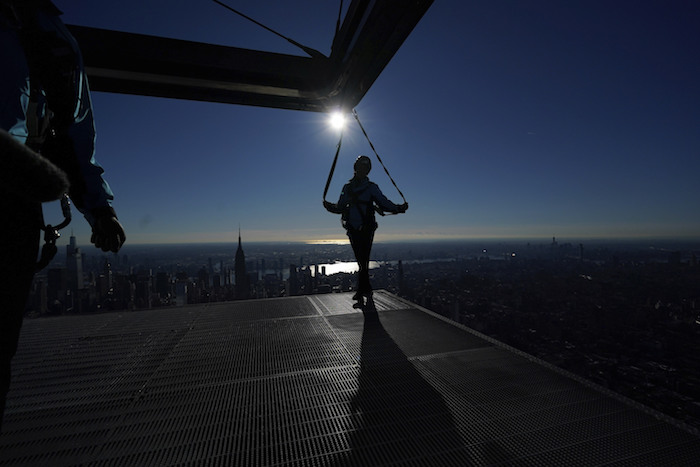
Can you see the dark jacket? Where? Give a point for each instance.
(357, 204)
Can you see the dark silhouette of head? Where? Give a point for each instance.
(362, 166)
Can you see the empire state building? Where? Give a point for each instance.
(242, 289)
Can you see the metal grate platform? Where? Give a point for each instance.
(309, 381)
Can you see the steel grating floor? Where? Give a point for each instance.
(309, 381)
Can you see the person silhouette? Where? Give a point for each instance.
(47, 141)
(358, 201)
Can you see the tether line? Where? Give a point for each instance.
(335, 160)
(354, 113)
(312, 52)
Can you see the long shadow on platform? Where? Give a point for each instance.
(398, 416)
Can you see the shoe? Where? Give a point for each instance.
(359, 301)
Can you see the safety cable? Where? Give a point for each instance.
(337, 151)
(335, 160)
(340, 14)
(313, 53)
(354, 113)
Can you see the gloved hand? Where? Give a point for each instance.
(329, 206)
(403, 208)
(107, 232)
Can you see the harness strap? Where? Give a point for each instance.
(313, 53)
(354, 113)
(335, 160)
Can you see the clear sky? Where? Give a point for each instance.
(502, 118)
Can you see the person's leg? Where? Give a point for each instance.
(362, 246)
(19, 237)
(13, 304)
(368, 239)
(19, 246)
(353, 235)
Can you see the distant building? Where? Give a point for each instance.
(39, 297)
(74, 264)
(163, 287)
(203, 276)
(242, 289)
(57, 286)
(674, 257)
(293, 282)
(103, 282)
(181, 292)
(143, 292)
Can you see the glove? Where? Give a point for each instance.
(403, 208)
(329, 206)
(107, 232)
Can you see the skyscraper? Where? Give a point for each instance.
(240, 272)
(74, 264)
(57, 279)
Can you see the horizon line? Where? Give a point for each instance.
(539, 239)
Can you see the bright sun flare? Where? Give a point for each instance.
(337, 120)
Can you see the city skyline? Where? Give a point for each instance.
(92, 278)
(498, 120)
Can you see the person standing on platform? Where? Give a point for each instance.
(358, 201)
(47, 138)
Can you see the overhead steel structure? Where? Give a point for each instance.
(370, 35)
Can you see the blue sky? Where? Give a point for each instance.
(497, 119)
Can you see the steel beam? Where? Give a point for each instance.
(370, 35)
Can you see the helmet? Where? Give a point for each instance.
(363, 161)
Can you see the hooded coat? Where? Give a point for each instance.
(357, 204)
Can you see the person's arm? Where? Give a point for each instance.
(331, 207)
(384, 203)
(107, 232)
(337, 208)
(75, 145)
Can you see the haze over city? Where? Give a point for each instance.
(497, 119)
